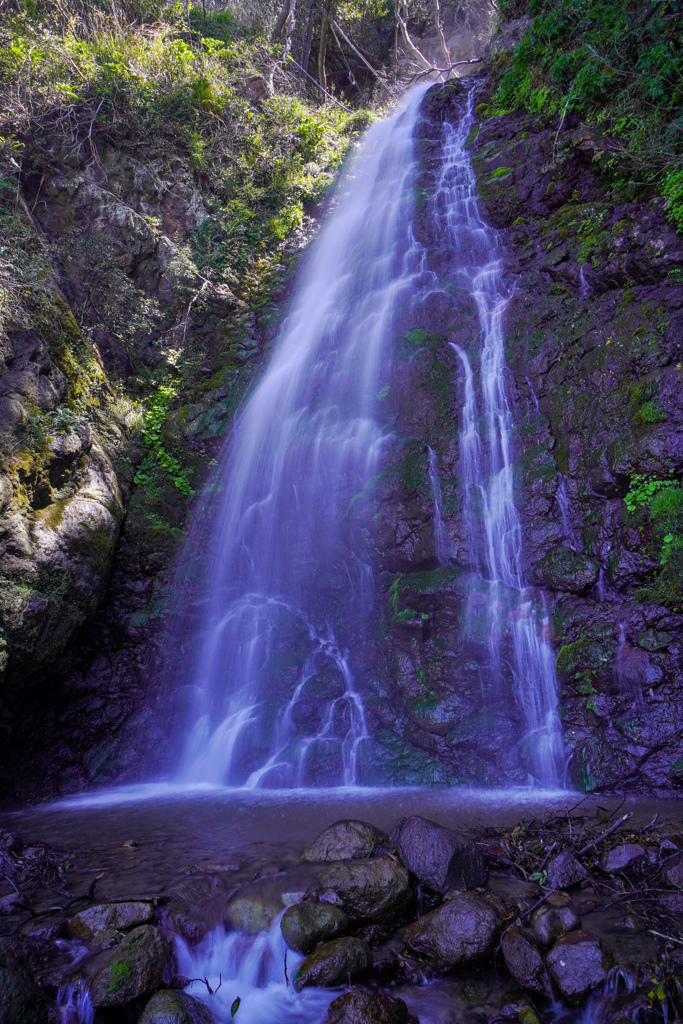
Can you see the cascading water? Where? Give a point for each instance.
(493, 526)
(307, 441)
(440, 539)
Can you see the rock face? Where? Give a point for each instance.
(525, 962)
(345, 840)
(564, 871)
(333, 963)
(175, 1008)
(135, 968)
(360, 1007)
(306, 925)
(439, 857)
(578, 964)
(369, 890)
(459, 932)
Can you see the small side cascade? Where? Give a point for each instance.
(440, 539)
(492, 522)
(74, 1005)
(257, 970)
(563, 503)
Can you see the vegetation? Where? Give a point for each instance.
(656, 506)
(618, 65)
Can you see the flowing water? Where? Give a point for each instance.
(307, 441)
(493, 525)
(287, 572)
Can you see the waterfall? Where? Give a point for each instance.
(493, 525)
(286, 571)
(440, 540)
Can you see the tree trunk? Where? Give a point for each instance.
(309, 35)
(281, 19)
(322, 78)
(442, 38)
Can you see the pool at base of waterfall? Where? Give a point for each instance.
(214, 872)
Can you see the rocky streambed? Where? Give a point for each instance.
(571, 914)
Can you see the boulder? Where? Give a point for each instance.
(118, 917)
(333, 963)
(525, 962)
(457, 932)
(368, 890)
(21, 1000)
(142, 963)
(360, 1007)
(564, 870)
(305, 925)
(548, 923)
(578, 964)
(169, 1007)
(345, 840)
(439, 857)
(626, 859)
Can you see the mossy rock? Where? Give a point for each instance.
(139, 965)
(565, 570)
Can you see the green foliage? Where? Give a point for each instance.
(643, 489)
(154, 421)
(620, 66)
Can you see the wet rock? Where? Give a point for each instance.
(345, 840)
(306, 925)
(139, 965)
(578, 964)
(627, 859)
(117, 917)
(175, 1008)
(254, 909)
(525, 962)
(360, 1007)
(195, 907)
(439, 857)
(563, 569)
(385, 964)
(12, 903)
(21, 1000)
(460, 931)
(522, 1010)
(564, 871)
(369, 890)
(672, 873)
(548, 923)
(333, 963)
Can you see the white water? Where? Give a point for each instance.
(563, 503)
(492, 521)
(250, 968)
(440, 539)
(305, 444)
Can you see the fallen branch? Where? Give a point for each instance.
(608, 832)
(669, 938)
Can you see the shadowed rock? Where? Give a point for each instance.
(578, 964)
(175, 1008)
(360, 1007)
(369, 890)
(549, 923)
(439, 857)
(565, 871)
(525, 962)
(345, 840)
(333, 963)
(21, 1000)
(562, 569)
(460, 931)
(627, 859)
(305, 925)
